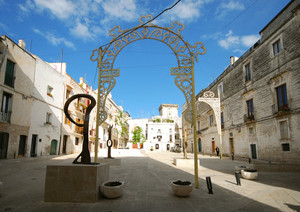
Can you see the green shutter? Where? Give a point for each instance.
(9, 74)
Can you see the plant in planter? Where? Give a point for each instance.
(250, 174)
(112, 189)
(181, 188)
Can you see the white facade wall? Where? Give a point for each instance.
(21, 101)
(45, 104)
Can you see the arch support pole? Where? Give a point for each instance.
(98, 106)
(194, 125)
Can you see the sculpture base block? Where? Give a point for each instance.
(74, 183)
(110, 161)
(185, 162)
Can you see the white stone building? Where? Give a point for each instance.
(17, 69)
(260, 97)
(161, 132)
(46, 111)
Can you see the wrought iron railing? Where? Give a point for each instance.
(5, 116)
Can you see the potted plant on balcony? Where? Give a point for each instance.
(181, 188)
(250, 174)
(112, 189)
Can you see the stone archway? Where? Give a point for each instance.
(210, 99)
(184, 52)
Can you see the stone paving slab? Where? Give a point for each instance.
(148, 175)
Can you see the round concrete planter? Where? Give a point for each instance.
(181, 188)
(249, 174)
(240, 168)
(112, 189)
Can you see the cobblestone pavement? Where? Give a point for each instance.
(148, 176)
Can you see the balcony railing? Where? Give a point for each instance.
(5, 116)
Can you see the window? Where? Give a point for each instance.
(6, 107)
(282, 100)
(49, 91)
(248, 72)
(67, 121)
(68, 94)
(251, 131)
(250, 110)
(285, 147)
(48, 118)
(220, 89)
(222, 120)
(9, 73)
(211, 120)
(76, 141)
(198, 125)
(276, 47)
(283, 127)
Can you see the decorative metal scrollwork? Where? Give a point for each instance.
(170, 36)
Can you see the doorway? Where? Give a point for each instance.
(231, 145)
(253, 151)
(53, 147)
(199, 145)
(22, 145)
(168, 147)
(33, 145)
(65, 140)
(3, 145)
(213, 146)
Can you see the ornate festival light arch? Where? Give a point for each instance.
(184, 52)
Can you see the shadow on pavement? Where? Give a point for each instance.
(147, 189)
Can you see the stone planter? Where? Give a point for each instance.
(240, 168)
(249, 174)
(112, 189)
(181, 188)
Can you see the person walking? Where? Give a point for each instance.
(217, 150)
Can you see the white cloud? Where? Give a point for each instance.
(229, 41)
(55, 40)
(227, 7)
(249, 40)
(234, 41)
(125, 9)
(61, 9)
(188, 10)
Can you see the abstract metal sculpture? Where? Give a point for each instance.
(85, 153)
(109, 142)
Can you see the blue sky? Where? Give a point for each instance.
(226, 28)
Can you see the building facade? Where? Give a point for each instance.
(161, 132)
(260, 97)
(17, 68)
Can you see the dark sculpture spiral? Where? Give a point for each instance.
(85, 153)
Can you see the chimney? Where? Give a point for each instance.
(22, 44)
(231, 60)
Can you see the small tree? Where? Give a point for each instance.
(122, 123)
(138, 135)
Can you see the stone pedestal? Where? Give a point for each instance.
(110, 161)
(74, 183)
(185, 162)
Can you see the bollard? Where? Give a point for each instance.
(249, 160)
(209, 185)
(238, 178)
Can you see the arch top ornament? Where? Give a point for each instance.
(147, 30)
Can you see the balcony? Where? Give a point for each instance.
(249, 117)
(5, 117)
(281, 110)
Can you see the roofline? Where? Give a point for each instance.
(281, 11)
